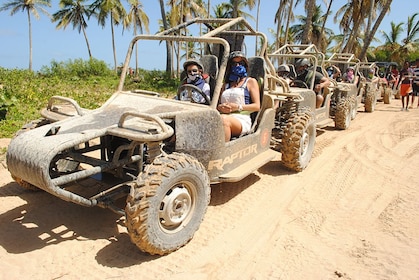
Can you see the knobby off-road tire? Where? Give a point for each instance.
(387, 95)
(298, 141)
(370, 101)
(168, 203)
(343, 114)
(29, 126)
(24, 184)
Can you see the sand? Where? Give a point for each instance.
(352, 214)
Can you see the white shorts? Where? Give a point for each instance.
(245, 120)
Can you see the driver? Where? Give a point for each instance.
(305, 74)
(195, 76)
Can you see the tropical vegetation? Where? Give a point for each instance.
(23, 92)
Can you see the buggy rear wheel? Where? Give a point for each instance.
(298, 141)
(343, 114)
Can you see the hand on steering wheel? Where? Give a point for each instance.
(189, 90)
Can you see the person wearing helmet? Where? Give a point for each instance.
(334, 72)
(305, 74)
(240, 97)
(350, 76)
(195, 76)
(284, 72)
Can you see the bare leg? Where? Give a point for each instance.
(232, 127)
(319, 100)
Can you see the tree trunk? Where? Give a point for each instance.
(310, 5)
(113, 45)
(30, 40)
(287, 26)
(168, 46)
(87, 42)
(368, 40)
(325, 19)
(257, 26)
(368, 28)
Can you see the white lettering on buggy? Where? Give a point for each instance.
(219, 163)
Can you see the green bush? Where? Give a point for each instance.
(77, 68)
(90, 83)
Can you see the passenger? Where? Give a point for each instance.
(240, 97)
(334, 72)
(305, 74)
(284, 72)
(195, 76)
(350, 76)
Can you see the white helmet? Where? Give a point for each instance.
(283, 68)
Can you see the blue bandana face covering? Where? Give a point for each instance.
(237, 72)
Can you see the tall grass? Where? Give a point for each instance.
(23, 93)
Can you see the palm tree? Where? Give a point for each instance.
(238, 5)
(329, 5)
(73, 12)
(391, 43)
(168, 45)
(368, 40)
(188, 9)
(137, 18)
(30, 7)
(113, 8)
(397, 49)
(316, 26)
(412, 31)
(181, 11)
(221, 11)
(234, 8)
(257, 25)
(310, 6)
(283, 16)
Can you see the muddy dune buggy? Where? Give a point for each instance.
(149, 158)
(373, 86)
(348, 95)
(296, 115)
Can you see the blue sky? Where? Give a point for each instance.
(61, 45)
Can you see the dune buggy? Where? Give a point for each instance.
(155, 158)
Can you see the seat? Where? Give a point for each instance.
(257, 70)
(210, 63)
(293, 74)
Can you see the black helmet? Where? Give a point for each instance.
(193, 62)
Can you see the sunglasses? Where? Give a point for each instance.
(241, 62)
(192, 71)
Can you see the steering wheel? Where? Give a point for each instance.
(300, 84)
(189, 89)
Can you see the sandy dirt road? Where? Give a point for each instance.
(352, 214)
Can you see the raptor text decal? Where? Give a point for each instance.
(219, 163)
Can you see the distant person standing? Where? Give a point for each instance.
(415, 83)
(406, 75)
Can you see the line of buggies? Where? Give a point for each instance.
(153, 159)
